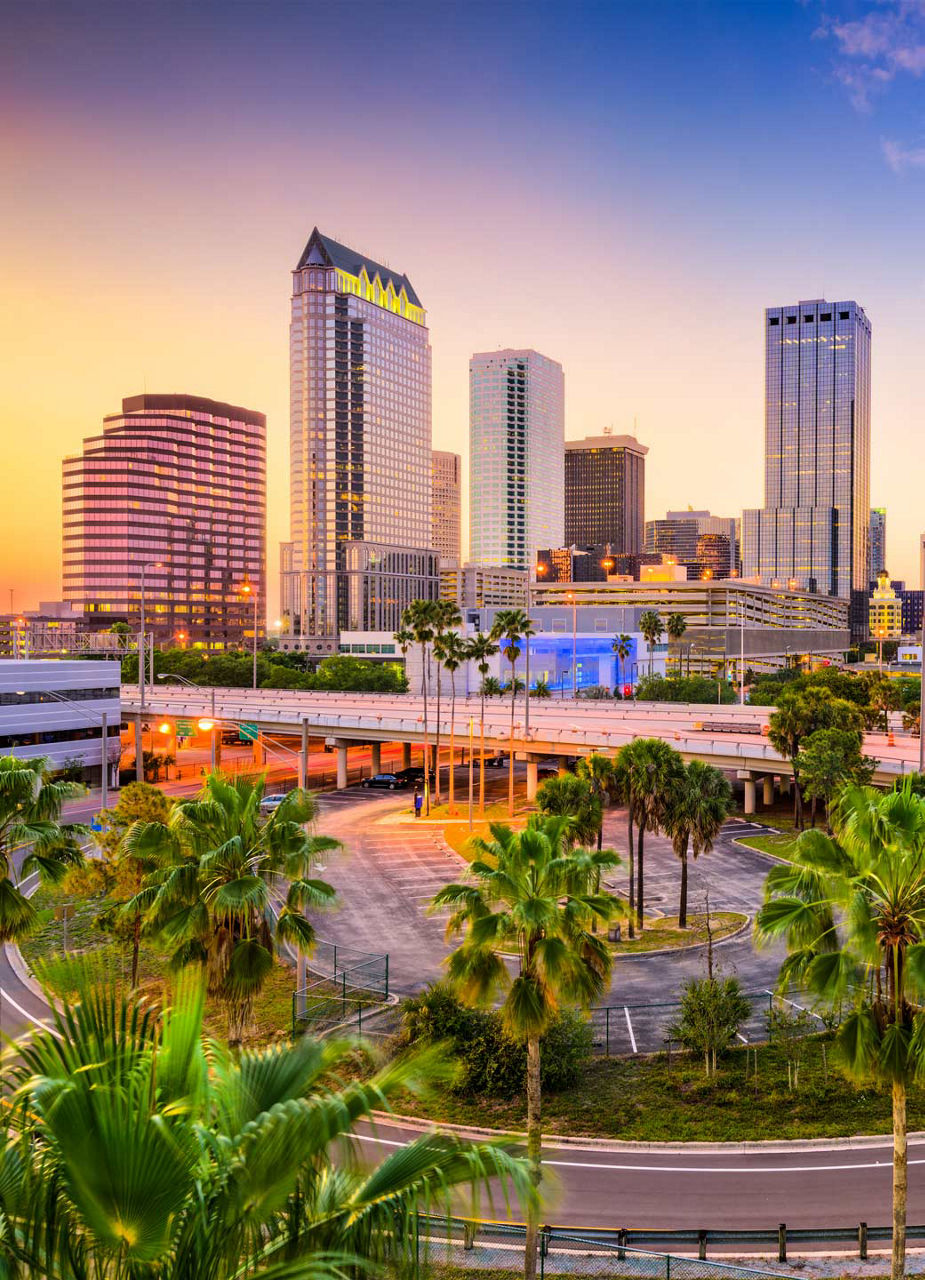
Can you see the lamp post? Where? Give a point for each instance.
(249, 590)
(922, 663)
(139, 753)
(540, 568)
(169, 675)
(103, 718)
(571, 596)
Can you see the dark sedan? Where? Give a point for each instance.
(386, 781)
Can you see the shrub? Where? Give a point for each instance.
(712, 1010)
(491, 1062)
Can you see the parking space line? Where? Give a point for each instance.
(630, 1029)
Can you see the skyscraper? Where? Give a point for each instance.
(516, 437)
(700, 541)
(813, 530)
(605, 480)
(877, 541)
(445, 538)
(360, 448)
(177, 483)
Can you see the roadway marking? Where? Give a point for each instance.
(36, 1021)
(630, 1027)
(668, 1168)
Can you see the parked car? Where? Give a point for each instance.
(386, 781)
(496, 762)
(230, 737)
(414, 775)
(269, 803)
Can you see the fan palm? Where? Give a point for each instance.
(652, 628)
(418, 619)
(598, 772)
(32, 838)
(445, 616)
(515, 628)
(676, 625)
(851, 908)
(136, 1149)
(697, 805)
(452, 655)
(211, 900)
(537, 898)
(622, 647)
(651, 769)
(479, 649)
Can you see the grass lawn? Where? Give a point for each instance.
(664, 932)
(779, 846)
(646, 1099)
(272, 1017)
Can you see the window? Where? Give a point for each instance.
(825, 315)
(774, 320)
(807, 319)
(843, 315)
(791, 319)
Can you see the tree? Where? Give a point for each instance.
(480, 648)
(541, 690)
(140, 1148)
(118, 873)
(491, 688)
(570, 797)
(712, 1010)
(885, 697)
(696, 807)
(598, 772)
(209, 901)
(451, 655)
(829, 759)
(652, 628)
(536, 898)
(851, 909)
(800, 712)
(445, 616)
(418, 618)
(622, 647)
(514, 627)
(676, 625)
(30, 824)
(652, 770)
(123, 631)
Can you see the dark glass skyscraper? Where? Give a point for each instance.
(813, 530)
(605, 479)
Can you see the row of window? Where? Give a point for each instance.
(14, 699)
(823, 315)
(54, 735)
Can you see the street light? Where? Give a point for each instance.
(104, 721)
(539, 568)
(248, 589)
(570, 595)
(152, 564)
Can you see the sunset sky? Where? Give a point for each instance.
(622, 186)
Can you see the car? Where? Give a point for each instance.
(414, 775)
(386, 781)
(495, 762)
(269, 803)
(230, 737)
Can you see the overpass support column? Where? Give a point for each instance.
(767, 796)
(562, 762)
(785, 784)
(406, 755)
(750, 796)
(376, 752)
(341, 765)
(138, 737)
(260, 751)
(216, 732)
(533, 774)
(303, 757)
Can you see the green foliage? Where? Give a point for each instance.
(491, 1062)
(830, 759)
(540, 690)
(234, 669)
(659, 688)
(573, 798)
(712, 1010)
(491, 688)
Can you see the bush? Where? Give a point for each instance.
(712, 1010)
(683, 689)
(491, 1062)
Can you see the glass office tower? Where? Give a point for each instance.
(360, 448)
(516, 446)
(813, 531)
(605, 482)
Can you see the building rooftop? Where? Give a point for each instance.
(334, 254)
(608, 442)
(181, 403)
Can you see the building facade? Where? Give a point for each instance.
(813, 531)
(476, 586)
(176, 483)
(516, 445)
(877, 541)
(446, 517)
(360, 441)
(605, 480)
(702, 542)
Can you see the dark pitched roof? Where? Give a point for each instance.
(338, 255)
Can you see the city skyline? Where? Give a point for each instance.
(146, 297)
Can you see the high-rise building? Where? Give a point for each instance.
(516, 437)
(176, 483)
(703, 543)
(814, 528)
(605, 480)
(360, 448)
(446, 517)
(877, 541)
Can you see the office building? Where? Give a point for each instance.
(360, 448)
(813, 531)
(446, 515)
(884, 610)
(56, 710)
(703, 543)
(516, 436)
(476, 586)
(877, 541)
(176, 483)
(605, 480)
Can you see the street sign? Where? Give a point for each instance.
(248, 732)
(185, 729)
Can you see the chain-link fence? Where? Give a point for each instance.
(446, 1247)
(625, 1029)
(348, 986)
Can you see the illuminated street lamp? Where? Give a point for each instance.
(249, 591)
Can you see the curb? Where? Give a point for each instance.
(691, 946)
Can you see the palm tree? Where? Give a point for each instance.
(535, 897)
(676, 626)
(31, 828)
(418, 618)
(622, 647)
(139, 1148)
(453, 652)
(211, 901)
(698, 804)
(851, 908)
(652, 769)
(445, 615)
(479, 649)
(570, 797)
(515, 627)
(622, 785)
(652, 627)
(598, 772)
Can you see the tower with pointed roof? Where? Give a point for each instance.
(360, 448)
